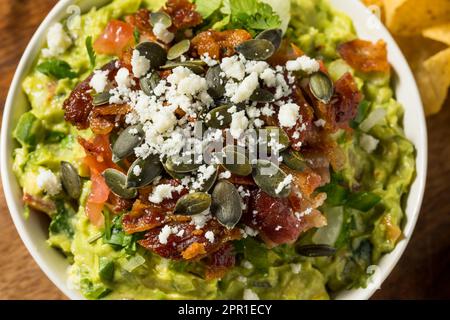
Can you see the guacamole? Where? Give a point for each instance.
(363, 210)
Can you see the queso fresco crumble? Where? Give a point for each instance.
(234, 149)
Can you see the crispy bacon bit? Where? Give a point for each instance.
(240, 180)
(287, 51)
(118, 204)
(141, 21)
(365, 56)
(183, 14)
(39, 204)
(218, 44)
(220, 262)
(178, 243)
(273, 217)
(193, 251)
(348, 99)
(78, 105)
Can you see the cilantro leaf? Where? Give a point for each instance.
(207, 7)
(58, 69)
(136, 35)
(90, 51)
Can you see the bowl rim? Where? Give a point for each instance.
(387, 263)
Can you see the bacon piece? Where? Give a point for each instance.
(141, 21)
(196, 244)
(273, 217)
(39, 204)
(287, 51)
(348, 99)
(219, 262)
(183, 14)
(365, 56)
(78, 105)
(118, 204)
(218, 44)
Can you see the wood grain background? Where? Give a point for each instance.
(423, 271)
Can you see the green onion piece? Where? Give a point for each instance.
(90, 51)
(95, 237)
(336, 194)
(106, 269)
(107, 216)
(137, 35)
(363, 201)
(134, 263)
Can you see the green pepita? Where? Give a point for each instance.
(226, 204)
(262, 95)
(270, 179)
(180, 165)
(178, 49)
(160, 17)
(272, 35)
(128, 139)
(218, 118)
(207, 185)
(294, 160)
(156, 54)
(256, 49)
(143, 171)
(196, 66)
(271, 137)
(101, 98)
(216, 88)
(116, 181)
(321, 86)
(70, 180)
(235, 160)
(193, 203)
(149, 83)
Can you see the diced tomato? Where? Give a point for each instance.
(99, 189)
(116, 37)
(94, 213)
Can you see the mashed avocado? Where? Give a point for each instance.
(379, 159)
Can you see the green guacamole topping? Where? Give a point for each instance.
(363, 224)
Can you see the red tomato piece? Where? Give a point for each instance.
(116, 37)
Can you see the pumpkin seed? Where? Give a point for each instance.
(160, 17)
(193, 203)
(207, 185)
(117, 181)
(321, 86)
(196, 66)
(235, 160)
(101, 98)
(126, 142)
(294, 160)
(269, 177)
(150, 168)
(216, 88)
(178, 49)
(262, 95)
(226, 204)
(273, 135)
(179, 165)
(156, 54)
(70, 180)
(149, 83)
(316, 250)
(256, 49)
(273, 35)
(175, 175)
(218, 118)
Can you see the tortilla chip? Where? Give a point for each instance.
(439, 33)
(434, 81)
(410, 17)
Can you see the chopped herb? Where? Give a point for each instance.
(137, 35)
(363, 201)
(58, 69)
(118, 239)
(61, 222)
(93, 291)
(363, 108)
(106, 269)
(90, 51)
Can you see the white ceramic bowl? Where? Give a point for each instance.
(34, 231)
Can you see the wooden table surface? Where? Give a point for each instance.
(423, 271)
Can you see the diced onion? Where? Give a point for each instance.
(373, 119)
(133, 263)
(330, 233)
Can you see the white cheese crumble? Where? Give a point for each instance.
(164, 120)
(99, 80)
(123, 78)
(249, 294)
(137, 170)
(246, 88)
(161, 192)
(287, 181)
(238, 124)
(140, 64)
(288, 115)
(233, 68)
(161, 32)
(225, 175)
(58, 41)
(303, 63)
(164, 234)
(210, 236)
(48, 181)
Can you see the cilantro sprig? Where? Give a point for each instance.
(56, 68)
